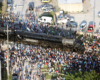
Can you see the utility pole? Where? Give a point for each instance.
(8, 51)
(93, 17)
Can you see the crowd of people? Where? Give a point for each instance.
(41, 28)
(30, 23)
(65, 60)
(71, 61)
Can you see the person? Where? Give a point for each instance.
(30, 72)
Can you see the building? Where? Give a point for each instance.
(71, 5)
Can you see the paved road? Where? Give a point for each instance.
(22, 5)
(89, 16)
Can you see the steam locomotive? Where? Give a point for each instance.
(19, 35)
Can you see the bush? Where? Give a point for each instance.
(91, 39)
(80, 36)
(57, 9)
(53, 15)
(0, 8)
(86, 76)
(65, 12)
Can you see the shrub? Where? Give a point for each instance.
(0, 8)
(91, 39)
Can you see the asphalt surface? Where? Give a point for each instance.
(88, 15)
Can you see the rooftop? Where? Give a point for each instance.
(69, 1)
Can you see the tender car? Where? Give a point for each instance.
(15, 76)
(71, 24)
(90, 28)
(31, 6)
(82, 26)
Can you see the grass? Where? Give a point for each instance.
(10, 77)
(51, 76)
(68, 76)
(44, 68)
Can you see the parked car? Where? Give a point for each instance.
(47, 10)
(90, 28)
(60, 16)
(9, 3)
(62, 21)
(15, 76)
(50, 6)
(45, 6)
(67, 17)
(71, 24)
(31, 6)
(71, 19)
(50, 10)
(82, 26)
(99, 14)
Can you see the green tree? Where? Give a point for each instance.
(86, 76)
